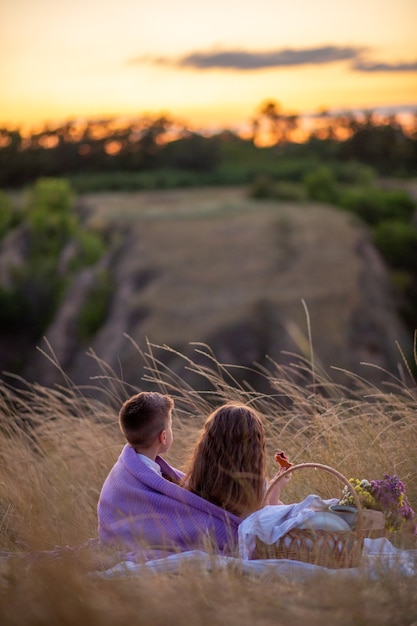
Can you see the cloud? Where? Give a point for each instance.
(385, 67)
(242, 60)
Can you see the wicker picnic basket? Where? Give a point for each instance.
(330, 548)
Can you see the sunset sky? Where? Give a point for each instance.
(209, 64)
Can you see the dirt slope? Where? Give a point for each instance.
(210, 265)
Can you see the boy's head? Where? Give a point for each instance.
(144, 416)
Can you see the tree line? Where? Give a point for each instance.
(160, 143)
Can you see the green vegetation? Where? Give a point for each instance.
(397, 241)
(303, 178)
(388, 212)
(94, 312)
(51, 219)
(321, 185)
(390, 215)
(374, 205)
(138, 181)
(90, 247)
(9, 216)
(338, 164)
(57, 446)
(160, 153)
(50, 227)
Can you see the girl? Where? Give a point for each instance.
(228, 466)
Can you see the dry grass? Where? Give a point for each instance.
(57, 446)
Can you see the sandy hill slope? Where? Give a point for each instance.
(211, 265)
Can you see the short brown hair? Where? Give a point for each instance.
(143, 416)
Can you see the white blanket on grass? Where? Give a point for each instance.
(379, 556)
(379, 559)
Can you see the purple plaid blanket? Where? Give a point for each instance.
(139, 510)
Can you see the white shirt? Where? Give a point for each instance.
(150, 463)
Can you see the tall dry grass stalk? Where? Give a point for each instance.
(57, 446)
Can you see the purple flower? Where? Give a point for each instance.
(389, 494)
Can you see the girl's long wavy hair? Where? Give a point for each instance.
(228, 466)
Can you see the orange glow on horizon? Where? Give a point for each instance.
(125, 61)
(116, 136)
(113, 147)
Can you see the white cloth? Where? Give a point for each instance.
(272, 522)
(379, 558)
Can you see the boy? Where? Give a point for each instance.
(146, 422)
(142, 508)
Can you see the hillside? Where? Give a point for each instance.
(210, 265)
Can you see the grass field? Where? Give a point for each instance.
(56, 447)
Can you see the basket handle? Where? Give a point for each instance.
(331, 470)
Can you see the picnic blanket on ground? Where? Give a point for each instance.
(137, 507)
(380, 558)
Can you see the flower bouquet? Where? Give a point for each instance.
(386, 495)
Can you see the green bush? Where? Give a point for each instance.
(5, 214)
(52, 193)
(398, 205)
(292, 169)
(353, 173)
(284, 190)
(9, 217)
(320, 185)
(262, 188)
(94, 312)
(138, 181)
(50, 216)
(265, 188)
(397, 243)
(374, 205)
(52, 224)
(365, 203)
(91, 248)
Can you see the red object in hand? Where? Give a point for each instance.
(283, 460)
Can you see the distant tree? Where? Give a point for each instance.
(11, 158)
(280, 125)
(385, 146)
(192, 152)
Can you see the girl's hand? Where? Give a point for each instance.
(280, 480)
